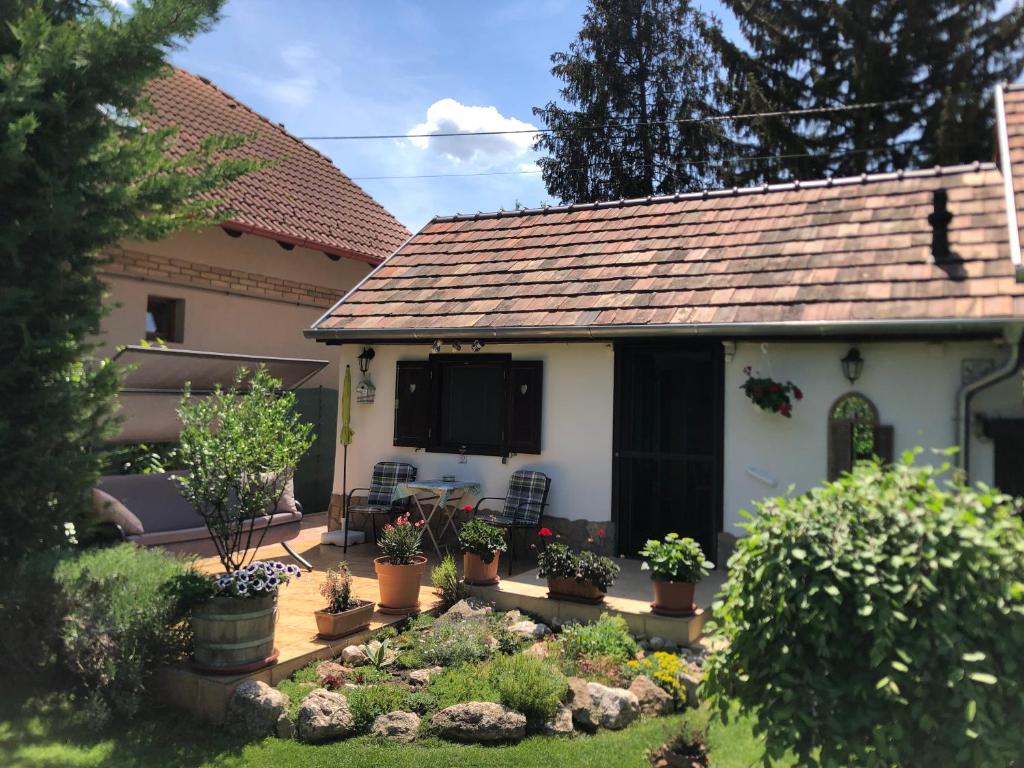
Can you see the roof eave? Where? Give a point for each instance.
(924, 327)
(302, 242)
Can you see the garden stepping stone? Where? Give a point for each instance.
(653, 699)
(465, 610)
(324, 715)
(397, 726)
(612, 708)
(479, 722)
(422, 676)
(256, 710)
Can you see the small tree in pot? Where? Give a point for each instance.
(343, 614)
(481, 544)
(676, 564)
(240, 448)
(400, 569)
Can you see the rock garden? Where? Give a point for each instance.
(474, 675)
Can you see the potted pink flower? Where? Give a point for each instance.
(400, 569)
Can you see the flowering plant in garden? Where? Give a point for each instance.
(255, 579)
(558, 561)
(770, 395)
(337, 589)
(482, 539)
(402, 542)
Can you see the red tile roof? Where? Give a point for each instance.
(303, 199)
(1013, 105)
(808, 257)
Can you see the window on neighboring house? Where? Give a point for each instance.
(476, 404)
(165, 319)
(855, 434)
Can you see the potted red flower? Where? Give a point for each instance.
(770, 395)
(400, 569)
(481, 545)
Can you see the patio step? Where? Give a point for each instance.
(532, 598)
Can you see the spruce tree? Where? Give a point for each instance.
(637, 72)
(943, 57)
(80, 172)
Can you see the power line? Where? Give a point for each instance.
(712, 163)
(624, 124)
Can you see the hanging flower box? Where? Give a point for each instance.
(770, 395)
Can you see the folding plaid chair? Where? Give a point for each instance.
(527, 497)
(386, 476)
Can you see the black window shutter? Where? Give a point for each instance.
(526, 385)
(413, 404)
(840, 447)
(884, 443)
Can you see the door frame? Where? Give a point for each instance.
(718, 474)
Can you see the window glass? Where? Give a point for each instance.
(165, 319)
(863, 418)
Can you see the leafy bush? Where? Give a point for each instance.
(879, 620)
(461, 684)
(449, 644)
(664, 669)
(528, 684)
(240, 446)
(482, 539)
(369, 702)
(447, 583)
(124, 612)
(675, 558)
(336, 589)
(557, 560)
(608, 636)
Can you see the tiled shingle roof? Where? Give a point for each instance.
(1013, 104)
(806, 255)
(303, 199)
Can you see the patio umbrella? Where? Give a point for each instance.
(345, 437)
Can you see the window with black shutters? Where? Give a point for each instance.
(475, 404)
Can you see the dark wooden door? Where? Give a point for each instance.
(667, 471)
(1008, 437)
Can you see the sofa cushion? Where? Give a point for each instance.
(155, 499)
(107, 509)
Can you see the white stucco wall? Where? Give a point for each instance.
(913, 384)
(219, 322)
(576, 428)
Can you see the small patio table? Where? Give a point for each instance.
(441, 491)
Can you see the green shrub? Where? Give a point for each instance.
(482, 539)
(445, 578)
(528, 684)
(369, 675)
(675, 558)
(369, 702)
(461, 684)
(608, 636)
(449, 644)
(124, 612)
(879, 621)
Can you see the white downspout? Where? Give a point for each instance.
(965, 394)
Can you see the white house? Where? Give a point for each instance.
(607, 344)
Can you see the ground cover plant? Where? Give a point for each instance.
(878, 620)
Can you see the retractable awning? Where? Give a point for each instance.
(157, 370)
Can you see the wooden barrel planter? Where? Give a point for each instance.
(234, 635)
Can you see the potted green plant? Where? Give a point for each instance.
(344, 614)
(239, 447)
(400, 569)
(770, 395)
(676, 564)
(580, 576)
(481, 544)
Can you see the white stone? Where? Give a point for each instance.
(422, 676)
(256, 710)
(615, 708)
(353, 655)
(397, 726)
(479, 722)
(324, 715)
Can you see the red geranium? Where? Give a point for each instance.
(600, 532)
(468, 508)
(545, 532)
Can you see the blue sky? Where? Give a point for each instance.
(395, 66)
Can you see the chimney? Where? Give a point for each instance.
(939, 218)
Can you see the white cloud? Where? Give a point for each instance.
(449, 116)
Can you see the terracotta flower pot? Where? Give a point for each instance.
(399, 585)
(673, 598)
(562, 588)
(331, 626)
(476, 571)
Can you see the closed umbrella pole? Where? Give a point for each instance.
(345, 437)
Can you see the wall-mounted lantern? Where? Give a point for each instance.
(852, 364)
(364, 359)
(365, 391)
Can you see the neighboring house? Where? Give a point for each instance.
(617, 335)
(301, 232)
